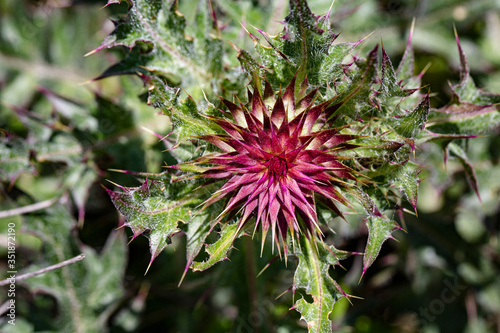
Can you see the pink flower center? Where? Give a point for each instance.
(277, 167)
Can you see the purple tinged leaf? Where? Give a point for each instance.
(406, 66)
(110, 2)
(369, 206)
(466, 90)
(463, 120)
(464, 66)
(471, 112)
(436, 137)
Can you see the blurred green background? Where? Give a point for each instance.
(61, 133)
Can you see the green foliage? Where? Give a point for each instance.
(303, 46)
(151, 207)
(85, 291)
(380, 229)
(187, 121)
(155, 33)
(471, 110)
(58, 140)
(218, 251)
(380, 106)
(312, 275)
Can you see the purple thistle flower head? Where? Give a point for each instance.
(277, 163)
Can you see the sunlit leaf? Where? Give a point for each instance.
(156, 207)
(155, 32)
(312, 277)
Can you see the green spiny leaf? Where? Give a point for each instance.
(83, 289)
(466, 90)
(406, 180)
(459, 153)
(249, 64)
(307, 39)
(197, 232)
(157, 207)
(331, 70)
(390, 88)
(208, 41)
(303, 45)
(186, 119)
(14, 158)
(355, 93)
(218, 250)
(471, 111)
(406, 66)
(464, 119)
(155, 32)
(380, 229)
(367, 202)
(315, 259)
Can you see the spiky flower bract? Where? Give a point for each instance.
(277, 160)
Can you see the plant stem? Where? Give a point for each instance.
(28, 208)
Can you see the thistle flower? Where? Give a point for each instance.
(277, 163)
